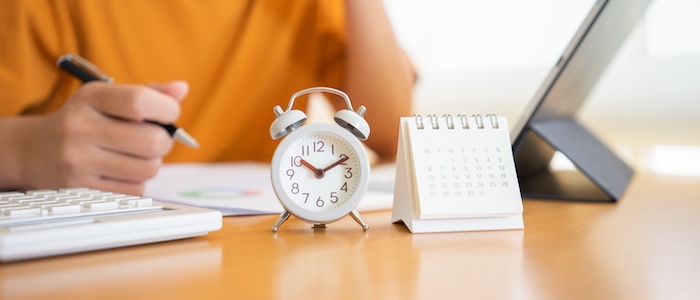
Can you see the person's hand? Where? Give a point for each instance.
(99, 140)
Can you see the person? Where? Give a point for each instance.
(215, 68)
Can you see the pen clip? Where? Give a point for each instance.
(85, 66)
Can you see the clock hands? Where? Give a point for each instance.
(342, 160)
(308, 165)
(319, 173)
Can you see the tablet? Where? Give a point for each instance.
(549, 123)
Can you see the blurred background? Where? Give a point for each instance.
(492, 56)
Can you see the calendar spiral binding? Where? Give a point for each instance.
(462, 119)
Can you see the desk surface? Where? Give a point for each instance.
(647, 246)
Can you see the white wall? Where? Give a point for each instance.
(491, 57)
(483, 56)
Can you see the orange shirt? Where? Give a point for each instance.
(240, 58)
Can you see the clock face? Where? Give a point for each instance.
(320, 172)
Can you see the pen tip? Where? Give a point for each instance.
(185, 138)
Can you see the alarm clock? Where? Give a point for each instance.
(319, 171)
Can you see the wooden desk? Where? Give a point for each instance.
(645, 247)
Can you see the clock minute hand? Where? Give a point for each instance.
(342, 160)
(317, 172)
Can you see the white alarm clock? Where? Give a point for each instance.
(320, 171)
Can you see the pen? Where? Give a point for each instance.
(86, 72)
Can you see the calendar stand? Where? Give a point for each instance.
(488, 207)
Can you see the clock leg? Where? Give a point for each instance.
(356, 216)
(283, 217)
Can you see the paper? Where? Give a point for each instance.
(244, 188)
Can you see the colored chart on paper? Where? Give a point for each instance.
(222, 192)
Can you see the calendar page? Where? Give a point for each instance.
(462, 166)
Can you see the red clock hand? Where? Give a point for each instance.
(308, 165)
(342, 160)
(318, 172)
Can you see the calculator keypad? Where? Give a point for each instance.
(38, 205)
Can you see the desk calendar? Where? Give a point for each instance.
(456, 173)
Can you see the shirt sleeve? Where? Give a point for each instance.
(32, 35)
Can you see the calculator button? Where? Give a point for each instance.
(61, 198)
(108, 197)
(5, 195)
(21, 211)
(100, 205)
(97, 195)
(144, 202)
(40, 203)
(40, 192)
(63, 208)
(20, 199)
(76, 200)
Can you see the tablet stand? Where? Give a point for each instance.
(605, 176)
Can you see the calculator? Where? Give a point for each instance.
(40, 223)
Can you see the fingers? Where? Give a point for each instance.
(177, 89)
(99, 138)
(85, 128)
(120, 110)
(134, 102)
(141, 140)
(129, 188)
(56, 156)
(110, 171)
(112, 185)
(125, 169)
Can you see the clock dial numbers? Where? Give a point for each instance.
(321, 189)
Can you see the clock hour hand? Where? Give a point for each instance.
(342, 160)
(318, 172)
(308, 165)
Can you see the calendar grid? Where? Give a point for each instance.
(463, 166)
